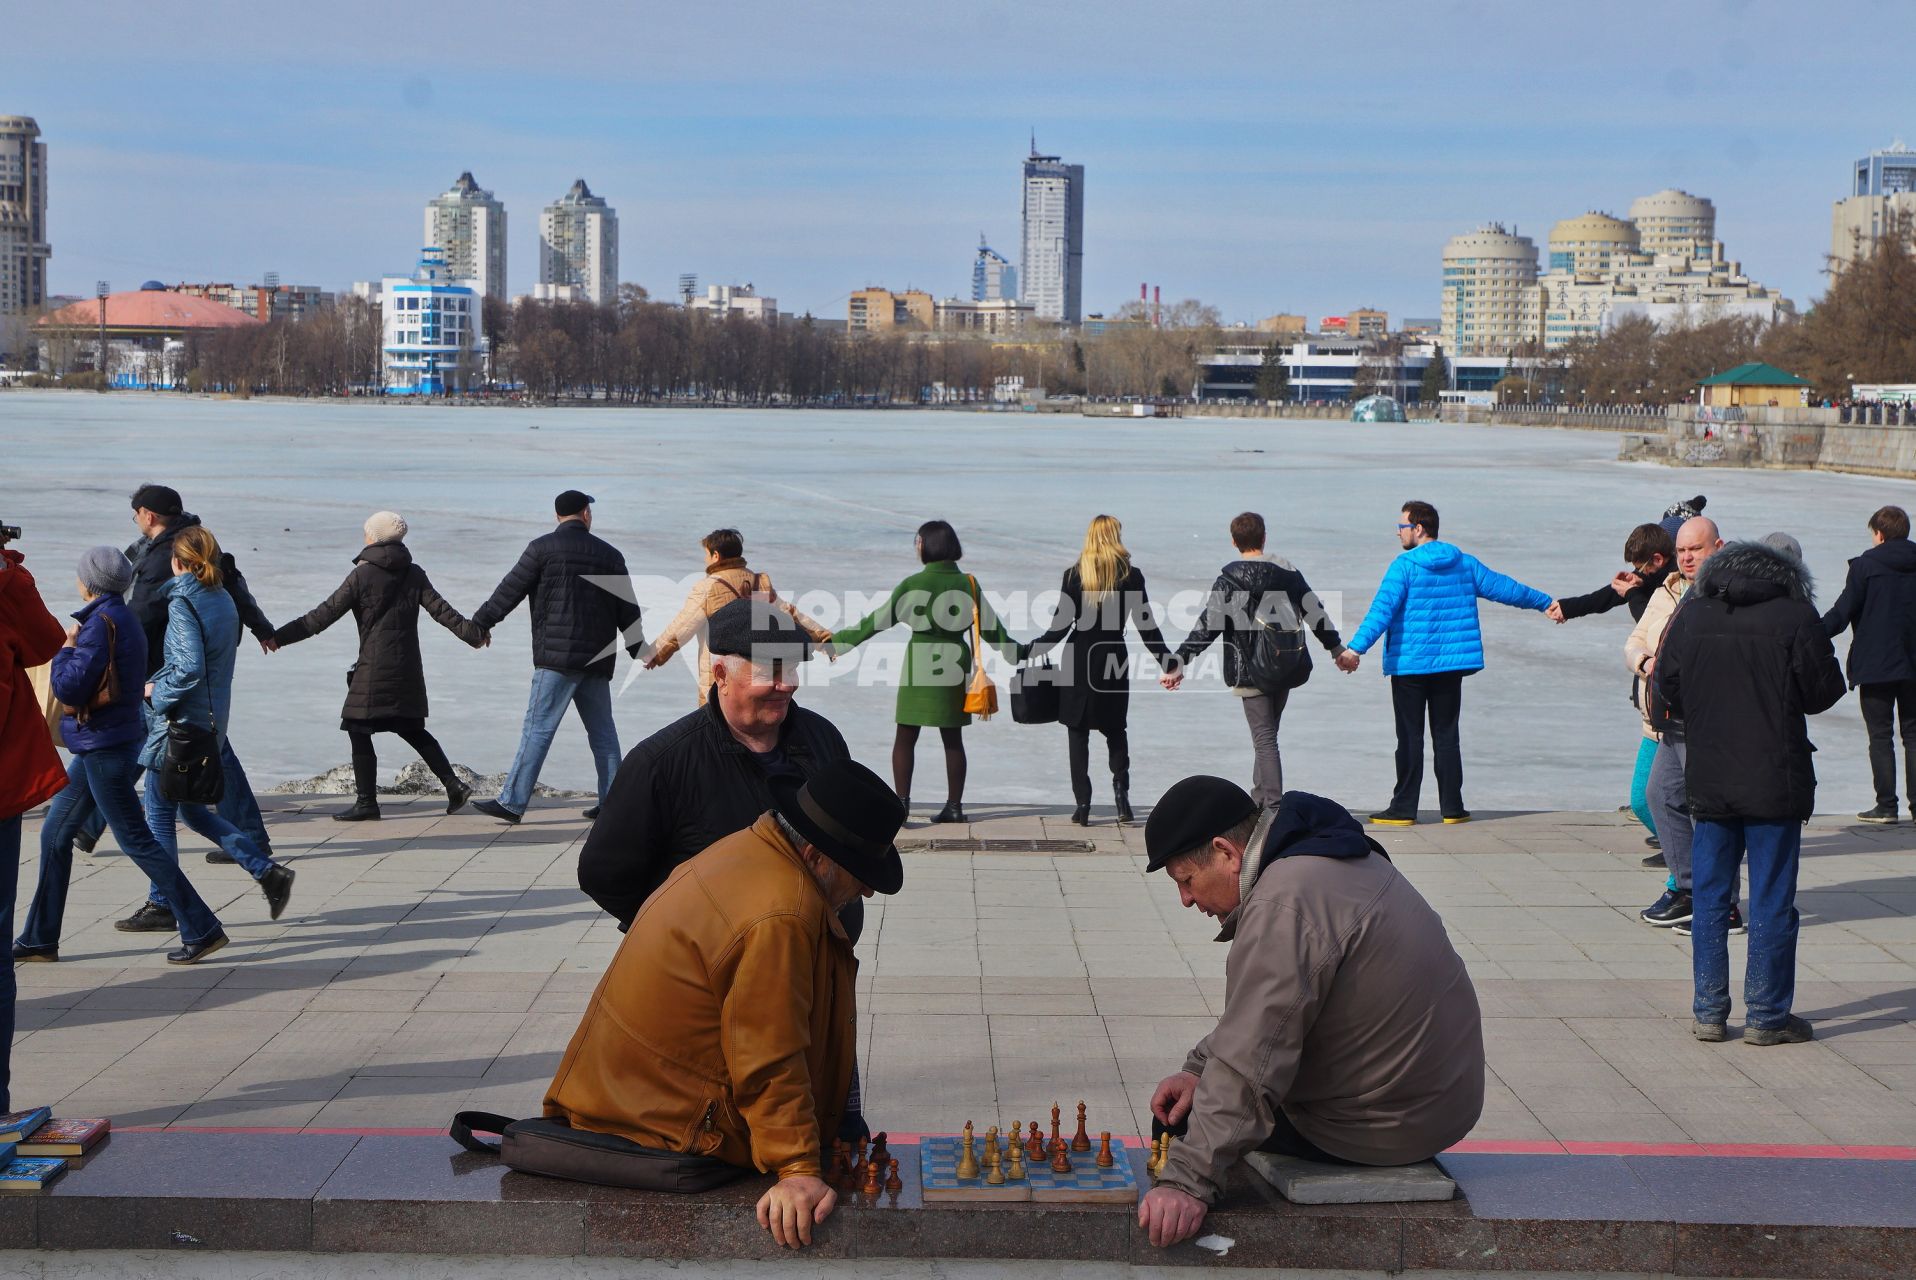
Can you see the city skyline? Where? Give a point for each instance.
(1253, 173)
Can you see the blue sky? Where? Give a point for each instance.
(1261, 156)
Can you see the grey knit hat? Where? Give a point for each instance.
(105, 571)
(1783, 542)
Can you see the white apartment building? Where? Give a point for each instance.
(23, 215)
(995, 317)
(470, 225)
(1673, 221)
(579, 245)
(1051, 275)
(1490, 292)
(737, 299)
(434, 341)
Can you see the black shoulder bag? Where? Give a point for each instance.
(1271, 659)
(554, 1149)
(191, 772)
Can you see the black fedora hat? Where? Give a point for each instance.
(851, 815)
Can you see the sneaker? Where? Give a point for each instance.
(1387, 818)
(1673, 908)
(1653, 842)
(1654, 860)
(1795, 1031)
(197, 952)
(150, 918)
(592, 814)
(85, 843)
(1883, 814)
(493, 809)
(220, 858)
(1452, 819)
(1710, 1032)
(1736, 924)
(23, 954)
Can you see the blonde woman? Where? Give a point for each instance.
(727, 578)
(1102, 593)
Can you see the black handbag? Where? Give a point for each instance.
(191, 772)
(1035, 696)
(555, 1149)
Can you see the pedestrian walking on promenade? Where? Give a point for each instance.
(1427, 606)
(194, 687)
(386, 686)
(97, 678)
(1697, 540)
(938, 604)
(160, 518)
(1253, 591)
(1650, 551)
(30, 771)
(582, 614)
(727, 578)
(1101, 594)
(1744, 662)
(1878, 606)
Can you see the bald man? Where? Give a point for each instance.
(1697, 540)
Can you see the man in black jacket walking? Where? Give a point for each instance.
(1251, 588)
(582, 612)
(1879, 603)
(1744, 660)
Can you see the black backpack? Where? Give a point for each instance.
(1270, 658)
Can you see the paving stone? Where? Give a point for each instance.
(1313, 1182)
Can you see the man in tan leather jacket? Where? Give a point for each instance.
(1351, 1032)
(725, 1025)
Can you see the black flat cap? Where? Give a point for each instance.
(570, 503)
(1190, 813)
(756, 630)
(157, 498)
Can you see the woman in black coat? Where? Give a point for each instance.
(386, 688)
(1102, 593)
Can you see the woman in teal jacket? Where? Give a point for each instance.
(937, 604)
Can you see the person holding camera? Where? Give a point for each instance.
(193, 688)
(97, 678)
(29, 767)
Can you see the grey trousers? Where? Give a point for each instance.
(1262, 712)
(1670, 805)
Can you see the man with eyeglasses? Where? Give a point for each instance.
(1427, 605)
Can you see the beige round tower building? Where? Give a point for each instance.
(1490, 292)
(1673, 221)
(1591, 243)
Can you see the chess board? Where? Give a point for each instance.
(1085, 1184)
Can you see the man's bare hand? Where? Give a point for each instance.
(1169, 1215)
(1626, 582)
(792, 1206)
(1555, 611)
(1348, 661)
(1171, 679)
(1172, 1101)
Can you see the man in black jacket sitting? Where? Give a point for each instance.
(708, 774)
(1879, 604)
(582, 612)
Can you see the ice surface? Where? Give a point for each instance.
(828, 502)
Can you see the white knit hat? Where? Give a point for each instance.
(386, 526)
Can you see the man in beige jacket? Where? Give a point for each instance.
(1696, 541)
(1351, 1032)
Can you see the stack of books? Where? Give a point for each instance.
(34, 1147)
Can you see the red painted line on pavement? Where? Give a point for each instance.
(1478, 1146)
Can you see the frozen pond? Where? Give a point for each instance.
(828, 503)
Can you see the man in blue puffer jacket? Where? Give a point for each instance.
(1427, 605)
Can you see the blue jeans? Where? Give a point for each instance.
(237, 806)
(1769, 981)
(551, 692)
(104, 778)
(9, 881)
(163, 817)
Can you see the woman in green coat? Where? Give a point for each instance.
(937, 604)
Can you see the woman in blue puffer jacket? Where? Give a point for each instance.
(195, 687)
(97, 677)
